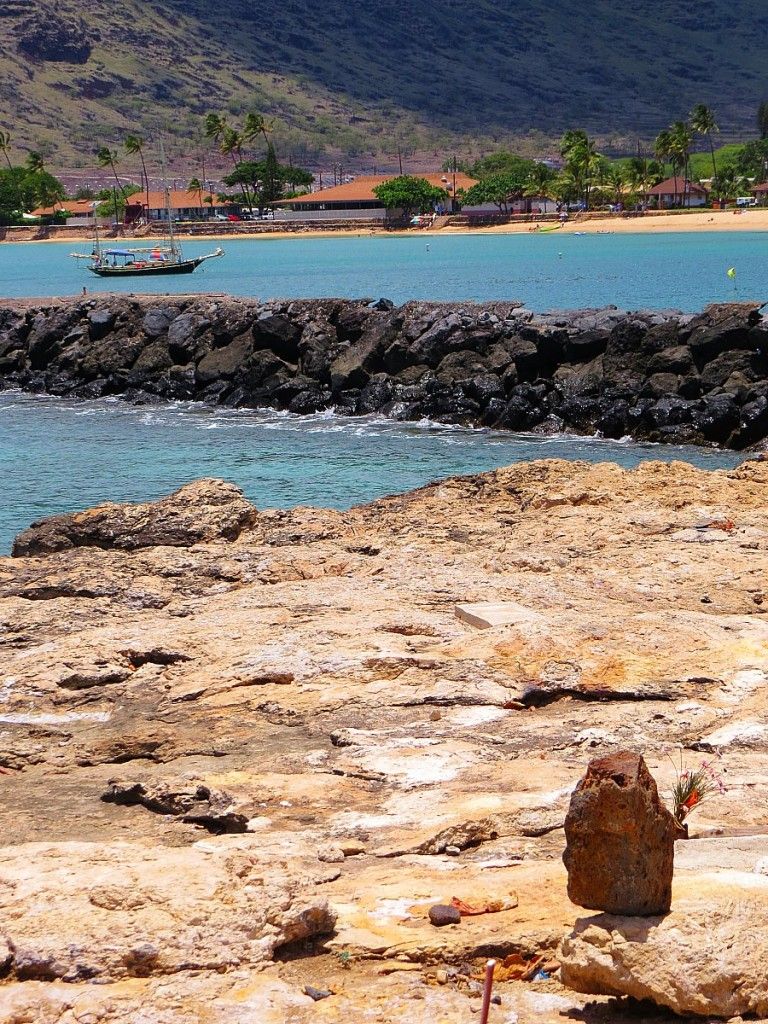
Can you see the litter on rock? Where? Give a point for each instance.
(491, 907)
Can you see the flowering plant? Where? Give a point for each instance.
(692, 786)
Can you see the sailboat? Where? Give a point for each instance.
(128, 261)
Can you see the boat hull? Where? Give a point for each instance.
(184, 267)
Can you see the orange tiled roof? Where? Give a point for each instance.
(676, 186)
(77, 207)
(180, 199)
(361, 189)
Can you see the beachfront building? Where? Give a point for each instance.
(677, 192)
(78, 212)
(530, 205)
(184, 204)
(760, 192)
(355, 200)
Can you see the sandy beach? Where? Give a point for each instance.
(651, 223)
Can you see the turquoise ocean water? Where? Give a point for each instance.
(58, 455)
(548, 271)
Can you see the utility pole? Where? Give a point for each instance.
(400, 159)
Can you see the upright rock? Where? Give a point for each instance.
(620, 838)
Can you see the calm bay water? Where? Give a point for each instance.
(547, 271)
(58, 455)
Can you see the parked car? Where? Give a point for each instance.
(220, 216)
(233, 216)
(746, 201)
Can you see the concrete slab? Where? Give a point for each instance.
(485, 615)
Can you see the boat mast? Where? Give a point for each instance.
(175, 249)
(96, 236)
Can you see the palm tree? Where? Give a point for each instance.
(48, 191)
(664, 149)
(703, 123)
(195, 185)
(256, 125)
(229, 141)
(231, 144)
(615, 179)
(135, 144)
(35, 162)
(727, 183)
(581, 158)
(214, 126)
(539, 182)
(762, 119)
(107, 158)
(5, 146)
(682, 140)
(565, 187)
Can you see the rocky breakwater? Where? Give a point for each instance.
(661, 376)
(245, 752)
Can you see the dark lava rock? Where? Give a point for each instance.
(718, 417)
(184, 337)
(375, 395)
(226, 361)
(101, 323)
(722, 327)
(614, 420)
(677, 359)
(279, 334)
(525, 356)
(660, 384)
(354, 368)
(200, 511)
(157, 321)
(351, 322)
(442, 914)
(620, 839)
(716, 373)
(753, 424)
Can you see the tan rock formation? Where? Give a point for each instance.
(92, 912)
(204, 510)
(708, 957)
(315, 672)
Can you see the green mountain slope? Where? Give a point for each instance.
(352, 79)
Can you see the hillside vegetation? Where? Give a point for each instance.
(354, 80)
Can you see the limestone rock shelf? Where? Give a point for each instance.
(304, 675)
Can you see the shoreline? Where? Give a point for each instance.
(725, 221)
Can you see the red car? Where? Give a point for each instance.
(232, 216)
